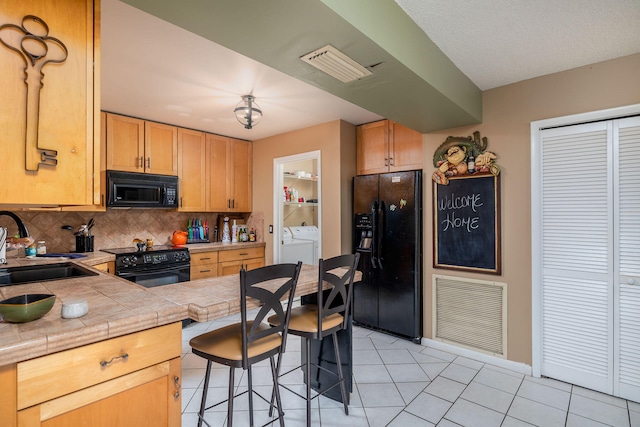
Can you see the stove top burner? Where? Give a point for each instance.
(132, 250)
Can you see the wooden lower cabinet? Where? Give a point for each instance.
(96, 385)
(204, 264)
(107, 267)
(230, 262)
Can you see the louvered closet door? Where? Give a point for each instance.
(576, 243)
(590, 243)
(627, 348)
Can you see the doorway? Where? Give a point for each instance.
(585, 250)
(297, 208)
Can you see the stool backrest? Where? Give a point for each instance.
(267, 286)
(337, 273)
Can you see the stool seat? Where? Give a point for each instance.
(226, 343)
(304, 320)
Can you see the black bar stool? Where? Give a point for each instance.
(327, 317)
(242, 344)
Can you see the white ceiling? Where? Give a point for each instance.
(158, 71)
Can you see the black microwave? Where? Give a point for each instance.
(141, 190)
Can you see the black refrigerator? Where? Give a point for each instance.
(388, 235)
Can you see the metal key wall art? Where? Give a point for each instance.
(32, 42)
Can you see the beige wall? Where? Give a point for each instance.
(507, 114)
(336, 141)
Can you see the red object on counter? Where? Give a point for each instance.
(179, 237)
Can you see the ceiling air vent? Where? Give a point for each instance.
(335, 63)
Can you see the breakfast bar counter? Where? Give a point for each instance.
(118, 307)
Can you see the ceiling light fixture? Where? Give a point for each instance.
(335, 63)
(248, 112)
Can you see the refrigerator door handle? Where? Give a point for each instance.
(374, 239)
(380, 221)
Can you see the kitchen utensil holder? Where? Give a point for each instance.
(84, 244)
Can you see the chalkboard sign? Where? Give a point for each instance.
(466, 223)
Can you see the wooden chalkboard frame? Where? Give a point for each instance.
(480, 250)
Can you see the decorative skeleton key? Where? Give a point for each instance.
(32, 42)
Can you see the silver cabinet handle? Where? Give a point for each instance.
(148, 162)
(104, 363)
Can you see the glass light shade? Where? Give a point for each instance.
(248, 112)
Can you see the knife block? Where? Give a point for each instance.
(84, 244)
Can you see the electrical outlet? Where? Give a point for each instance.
(270, 229)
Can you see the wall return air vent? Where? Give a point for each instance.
(330, 60)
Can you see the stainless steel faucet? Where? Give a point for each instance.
(22, 229)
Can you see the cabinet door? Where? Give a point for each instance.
(405, 148)
(149, 397)
(56, 112)
(372, 145)
(240, 153)
(217, 174)
(99, 180)
(191, 170)
(160, 149)
(125, 143)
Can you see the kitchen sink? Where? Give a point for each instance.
(42, 273)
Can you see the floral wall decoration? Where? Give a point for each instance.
(463, 157)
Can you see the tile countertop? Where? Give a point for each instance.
(115, 307)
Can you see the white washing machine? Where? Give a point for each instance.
(294, 250)
(307, 233)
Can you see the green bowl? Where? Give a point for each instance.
(25, 308)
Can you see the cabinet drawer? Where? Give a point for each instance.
(241, 254)
(61, 373)
(204, 258)
(203, 271)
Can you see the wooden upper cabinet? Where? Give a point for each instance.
(217, 173)
(50, 125)
(372, 145)
(386, 146)
(240, 191)
(136, 145)
(192, 155)
(405, 148)
(160, 148)
(229, 174)
(125, 143)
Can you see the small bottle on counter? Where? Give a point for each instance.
(252, 235)
(234, 232)
(244, 237)
(41, 248)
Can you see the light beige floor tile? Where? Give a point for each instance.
(381, 417)
(599, 411)
(379, 395)
(407, 373)
(405, 419)
(536, 413)
(468, 413)
(547, 395)
(491, 398)
(459, 373)
(428, 407)
(499, 380)
(445, 388)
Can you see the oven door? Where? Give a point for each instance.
(158, 277)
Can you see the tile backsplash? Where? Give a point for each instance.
(114, 228)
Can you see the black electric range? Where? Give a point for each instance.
(154, 266)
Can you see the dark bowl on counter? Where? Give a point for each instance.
(27, 307)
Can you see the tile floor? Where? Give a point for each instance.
(399, 383)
